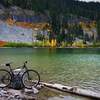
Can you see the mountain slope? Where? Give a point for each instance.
(90, 10)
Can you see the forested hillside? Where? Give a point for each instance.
(90, 10)
(65, 16)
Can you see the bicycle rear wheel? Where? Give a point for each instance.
(5, 78)
(30, 78)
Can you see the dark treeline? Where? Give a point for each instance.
(90, 10)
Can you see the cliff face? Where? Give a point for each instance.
(14, 33)
(19, 25)
(90, 29)
(20, 15)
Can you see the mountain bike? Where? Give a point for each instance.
(27, 77)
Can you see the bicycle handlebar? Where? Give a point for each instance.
(25, 62)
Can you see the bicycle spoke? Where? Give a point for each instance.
(5, 78)
(30, 78)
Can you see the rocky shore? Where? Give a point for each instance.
(23, 94)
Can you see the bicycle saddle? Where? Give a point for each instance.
(8, 64)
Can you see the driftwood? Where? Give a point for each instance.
(73, 90)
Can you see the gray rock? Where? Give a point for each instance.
(28, 90)
(3, 91)
(40, 86)
(35, 91)
(17, 97)
(11, 97)
(11, 94)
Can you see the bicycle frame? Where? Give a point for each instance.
(11, 70)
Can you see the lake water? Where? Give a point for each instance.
(73, 67)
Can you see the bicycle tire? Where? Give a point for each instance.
(35, 79)
(5, 78)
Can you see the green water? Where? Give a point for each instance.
(73, 67)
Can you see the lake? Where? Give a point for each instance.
(73, 67)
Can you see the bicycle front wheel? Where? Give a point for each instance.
(30, 78)
(5, 78)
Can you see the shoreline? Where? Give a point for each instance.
(53, 47)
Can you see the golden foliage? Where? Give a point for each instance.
(2, 43)
(53, 43)
(10, 21)
(88, 26)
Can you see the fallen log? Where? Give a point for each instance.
(73, 90)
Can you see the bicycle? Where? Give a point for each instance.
(27, 77)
